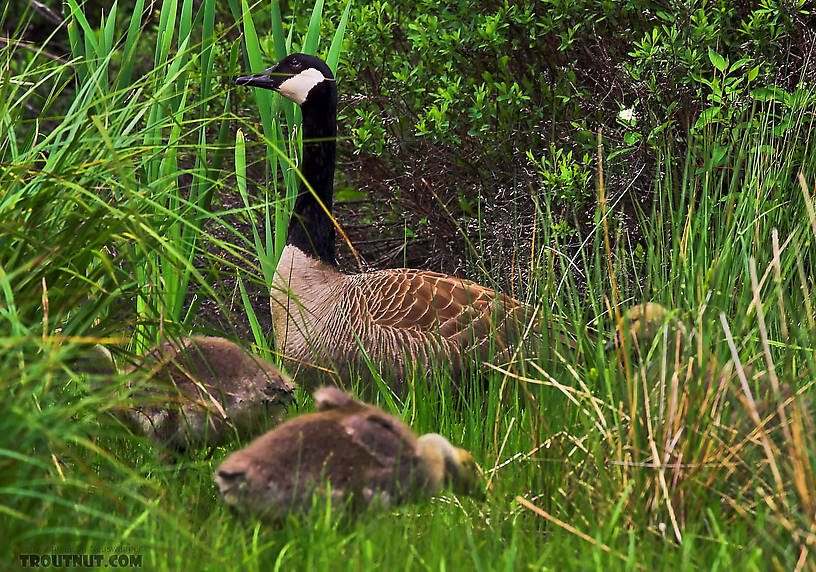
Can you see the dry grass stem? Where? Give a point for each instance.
(766, 444)
(572, 530)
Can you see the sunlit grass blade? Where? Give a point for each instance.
(313, 32)
(337, 41)
(257, 330)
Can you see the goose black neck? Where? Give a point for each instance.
(310, 228)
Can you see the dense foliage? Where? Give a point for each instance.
(487, 100)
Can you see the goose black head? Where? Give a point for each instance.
(294, 77)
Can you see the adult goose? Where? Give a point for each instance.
(348, 450)
(394, 318)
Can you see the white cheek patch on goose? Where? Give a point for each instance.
(297, 88)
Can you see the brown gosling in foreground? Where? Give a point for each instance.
(349, 450)
(201, 391)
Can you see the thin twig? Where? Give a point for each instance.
(37, 49)
(45, 12)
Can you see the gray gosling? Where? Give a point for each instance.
(200, 391)
(349, 451)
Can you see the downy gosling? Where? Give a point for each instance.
(199, 391)
(350, 451)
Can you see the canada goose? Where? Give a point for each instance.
(399, 316)
(199, 391)
(351, 450)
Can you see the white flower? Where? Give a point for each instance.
(627, 114)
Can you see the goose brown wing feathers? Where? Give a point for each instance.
(429, 302)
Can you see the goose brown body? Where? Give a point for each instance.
(349, 450)
(393, 318)
(203, 391)
(397, 318)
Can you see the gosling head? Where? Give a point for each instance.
(447, 465)
(231, 484)
(641, 324)
(294, 77)
(330, 397)
(96, 363)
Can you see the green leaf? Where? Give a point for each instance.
(707, 116)
(257, 330)
(349, 194)
(717, 154)
(240, 162)
(617, 152)
(631, 137)
(167, 27)
(278, 39)
(337, 41)
(186, 21)
(702, 80)
(770, 93)
(739, 63)
(207, 41)
(313, 33)
(90, 36)
(128, 59)
(77, 50)
(107, 37)
(262, 97)
(717, 60)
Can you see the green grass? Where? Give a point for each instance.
(99, 235)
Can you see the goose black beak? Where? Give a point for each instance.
(269, 78)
